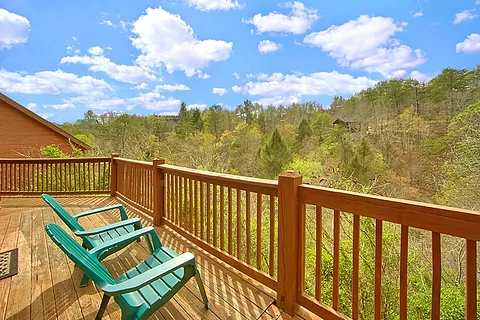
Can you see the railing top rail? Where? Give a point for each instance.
(134, 162)
(53, 160)
(454, 221)
(268, 187)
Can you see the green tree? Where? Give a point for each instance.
(303, 132)
(273, 156)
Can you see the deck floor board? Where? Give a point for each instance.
(51, 280)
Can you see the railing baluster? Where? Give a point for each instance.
(403, 272)
(230, 221)
(248, 228)
(471, 280)
(239, 224)
(259, 230)
(436, 275)
(215, 230)
(196, 208)
(222, 218)
(202, 198)
(336, 258)
(184, 204)
(190, 196)
(378, 269)
(318, 252)
(178, 218)
(271, 260)
(209, 213)
(356, 265)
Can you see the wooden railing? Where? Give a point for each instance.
(55, 176)
(231, 217)
(348, 208)
(134, 183)
(277, 232)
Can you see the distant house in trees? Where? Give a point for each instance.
(24, 133)
(352, 126)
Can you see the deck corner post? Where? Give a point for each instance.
(158, 192)
(289, 239)
(113, 175)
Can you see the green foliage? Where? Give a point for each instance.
(273, 156)
(53, 151)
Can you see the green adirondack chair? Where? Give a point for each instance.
(141, 290)
(94, 237)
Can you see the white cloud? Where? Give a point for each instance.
(470, 44)
(367, 43)
(120, 72)
(219, 91)
(200, 106)
(155, 101)
(419, 76)
(166, 40)
(141, 86)
(418, 14)
(152, 100)
(52, 82)
(236, 75)
(266, 46)
(31, 106)
(169, 87)
(280, 100)
(278, 88)
(14, 29)
(465, 15)
(107, 22)
(46, 115)
(100, 104)
(213, 5)
(62, 106)
(95, 51)
(74, 39)
(299, 21)
(203, 75)
(477, 2)
(237, 89)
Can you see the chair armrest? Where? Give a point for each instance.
(125, 239)
(133, 221)
(137, 282)
(120, 207)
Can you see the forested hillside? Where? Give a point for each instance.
(401, 138)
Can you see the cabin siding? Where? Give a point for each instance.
(23, 136)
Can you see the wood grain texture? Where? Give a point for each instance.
(436, 276)
(471, 280)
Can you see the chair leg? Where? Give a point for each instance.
(202, 289)
(84, 281)
(103, 306)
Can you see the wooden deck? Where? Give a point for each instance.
(47, 284)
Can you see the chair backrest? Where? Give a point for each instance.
(62, 213)
(82, 258)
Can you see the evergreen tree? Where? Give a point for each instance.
(273, 156)
(304, 131)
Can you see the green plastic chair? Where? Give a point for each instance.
(94, 237)
(141, 290)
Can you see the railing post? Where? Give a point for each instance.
(289, 235)
(158, 192)
(113, 175)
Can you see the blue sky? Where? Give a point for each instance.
(62, 58)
